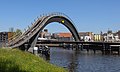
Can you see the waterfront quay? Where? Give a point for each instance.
(104, 47)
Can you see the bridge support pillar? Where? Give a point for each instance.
(87, 48)
(77, 47)
(81, 47)
(94, 51)
(110, 50)
(119, 50)
(103, 50)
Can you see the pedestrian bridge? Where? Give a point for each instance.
(29, 38)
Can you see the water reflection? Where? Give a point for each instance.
(73, 62)
(76, 61)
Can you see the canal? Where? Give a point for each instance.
(76, 61)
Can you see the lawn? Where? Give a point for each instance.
(14, 60)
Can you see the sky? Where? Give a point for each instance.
(87, 15)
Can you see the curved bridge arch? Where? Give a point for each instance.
(67, 23)
(31, 35)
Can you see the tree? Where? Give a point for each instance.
(18, 32)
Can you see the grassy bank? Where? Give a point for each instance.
(13, 60)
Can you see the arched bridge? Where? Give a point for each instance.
(29, 38)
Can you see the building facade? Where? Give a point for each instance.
(97, 37)
(118, 34)
(86, 36)
(111, 37)
(5, 37)
(45, 34)
(65, 37)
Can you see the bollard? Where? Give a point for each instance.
(26, 47)
(35, 50)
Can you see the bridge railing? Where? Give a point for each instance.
(14, 37)
(26, 34)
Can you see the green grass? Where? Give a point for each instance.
(14, 60)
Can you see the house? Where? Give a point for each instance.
(97, 37)
(45, 34)
(111, 37)
(86, 36)
(5, 37)
(65, 36)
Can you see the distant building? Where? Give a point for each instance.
(82, 35)
(5, 37)
(55, 35)
(11, 29)
(116, 38)
(118, 34)
(65, 37)
(10, 34)
(86, 36)
(45, 34)
(97, 37)
(111, 37)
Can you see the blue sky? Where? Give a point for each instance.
(88, 15)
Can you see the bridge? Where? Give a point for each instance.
(104, 47)
(29, 38)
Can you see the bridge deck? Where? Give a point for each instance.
(105, 47)
(76, 42)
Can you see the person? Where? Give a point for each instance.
(89, 39)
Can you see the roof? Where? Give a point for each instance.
(64, 34)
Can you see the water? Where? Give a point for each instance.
(83, 61)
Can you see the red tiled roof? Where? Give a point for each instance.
(65, 35)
